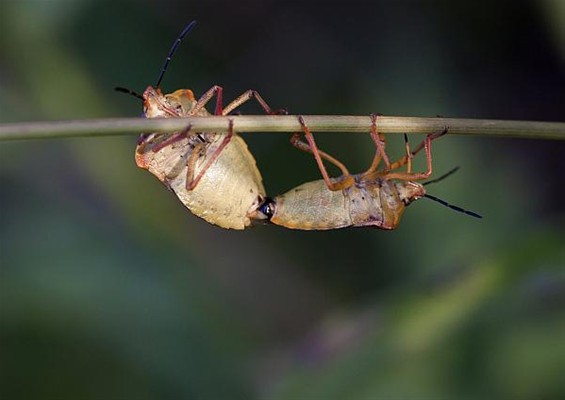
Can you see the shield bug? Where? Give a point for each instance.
(376, 197)
(214, 175)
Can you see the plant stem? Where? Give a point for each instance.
(286, 123)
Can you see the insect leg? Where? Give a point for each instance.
(404, 160)
(427, 146)
(380, 153)
(191, 166)
(212, 158)
(206, 97)
(200, 104)
(344, 181)
(162, 140)
(175, 137)
(409, 154)
(248, 95)
(380, 143)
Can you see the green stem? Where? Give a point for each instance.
(286, 123)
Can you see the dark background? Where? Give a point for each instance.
(110, 289)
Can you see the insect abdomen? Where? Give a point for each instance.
(312, 206)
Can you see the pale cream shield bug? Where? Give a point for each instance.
(214, 175)
(375, 198)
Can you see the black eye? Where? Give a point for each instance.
(268, 207)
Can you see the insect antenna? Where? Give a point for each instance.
(176, 44)
(453, 207)
(128, 91)
(445, 203)
(441, 178)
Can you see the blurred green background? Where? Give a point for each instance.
(111, 289)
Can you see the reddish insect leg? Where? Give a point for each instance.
(426, 145)
(407, 159)
(211, 159)
(248, 95)
(162, 140)
(344, 181)
(196, 152)
(380, 143)
(173, 138)
(206, 97)
(200, 104)
(410, 154)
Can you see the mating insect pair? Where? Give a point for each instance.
(216, 177)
